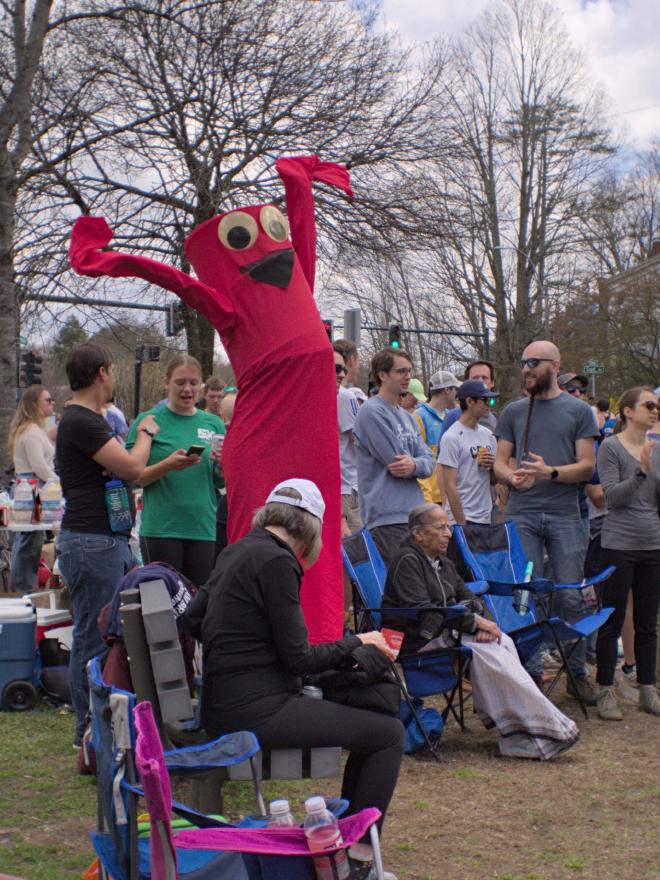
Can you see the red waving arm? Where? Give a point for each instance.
(298, 173)
(87, 256)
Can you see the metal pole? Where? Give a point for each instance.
(139, 354)
(593, 384)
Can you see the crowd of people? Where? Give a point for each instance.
(580, 483)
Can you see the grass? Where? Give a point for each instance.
(474, 816)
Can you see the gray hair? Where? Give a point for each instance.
(301, 525)
(418, 517)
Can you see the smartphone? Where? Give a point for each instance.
(195, 449)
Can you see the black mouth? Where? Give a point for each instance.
(275, 268)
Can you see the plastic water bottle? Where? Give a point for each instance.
(118, 506)
(522, 605)
(322, 831)
(280, 815)
(51, 501)
(23, 509)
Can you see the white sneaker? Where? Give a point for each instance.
(522, 748)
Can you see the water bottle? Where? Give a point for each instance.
(322, 831)
(280, 815)
(522, 604)
(51, 501)
(23, 509)
(118, 506)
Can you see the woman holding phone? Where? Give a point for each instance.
(179, 500)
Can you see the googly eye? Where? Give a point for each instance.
(238, 231)
(274, 223)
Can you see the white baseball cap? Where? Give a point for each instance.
(311, 499)
(443, 379)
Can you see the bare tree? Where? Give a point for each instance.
(527, 147)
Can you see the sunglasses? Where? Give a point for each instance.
(49, 399)
(533, 362)
(651, 406)
(572, 389)
(340, 370)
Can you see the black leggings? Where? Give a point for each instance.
(375, 743)
(194, 559)
(639, 571)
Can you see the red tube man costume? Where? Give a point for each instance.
(256, 290)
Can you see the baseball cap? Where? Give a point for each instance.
(417, 390)
(311, 499)
(475, 389)
(443, 379)
(567, 378)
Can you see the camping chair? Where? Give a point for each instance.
(113, 739)
(426, 673)
(495, 554)
(226, 852)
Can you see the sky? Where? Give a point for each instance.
(618, 38)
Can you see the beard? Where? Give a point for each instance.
(539, 382)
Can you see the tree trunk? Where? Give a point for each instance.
(8, 310)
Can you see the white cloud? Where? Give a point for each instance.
(618, 39)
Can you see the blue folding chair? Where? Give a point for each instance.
(494, 554)
(426, 674)
(121, 854)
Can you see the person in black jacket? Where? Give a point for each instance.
(503, 692)
(256, 651)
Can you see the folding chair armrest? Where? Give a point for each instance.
(233, 748)
(449, 612)
(588, 582)
(477, 587)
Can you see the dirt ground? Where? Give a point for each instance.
(591, 814)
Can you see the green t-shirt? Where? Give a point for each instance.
(181, 504)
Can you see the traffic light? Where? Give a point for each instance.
(31, 368)
(328, 326)
(395, 336)
(175, 322)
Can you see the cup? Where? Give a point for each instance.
(216, 442)
(481, 451)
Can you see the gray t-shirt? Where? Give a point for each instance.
(347, 408)
(555, 427)
(383, 431)
(632, 521)
(459, 451)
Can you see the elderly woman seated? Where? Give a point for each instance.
(503, 692)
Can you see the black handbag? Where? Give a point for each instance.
(365, 682)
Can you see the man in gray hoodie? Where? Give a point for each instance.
(391, 454)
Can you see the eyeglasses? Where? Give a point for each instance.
(650, 405)
(573, 389)
(402, 371)
(340, 370)
(533, 362)
(441, 527)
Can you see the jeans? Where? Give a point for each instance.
(639, 571)
(26, 554)
(25, 559)
(564, 539)
(92, 567)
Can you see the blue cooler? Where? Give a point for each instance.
(18, 626)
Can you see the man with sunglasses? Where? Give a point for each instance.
(550, 436)
(573, 384)
(391, 454)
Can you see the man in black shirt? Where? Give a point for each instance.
(93, 546)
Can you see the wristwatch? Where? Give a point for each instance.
(554, 473)
(148, 431)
